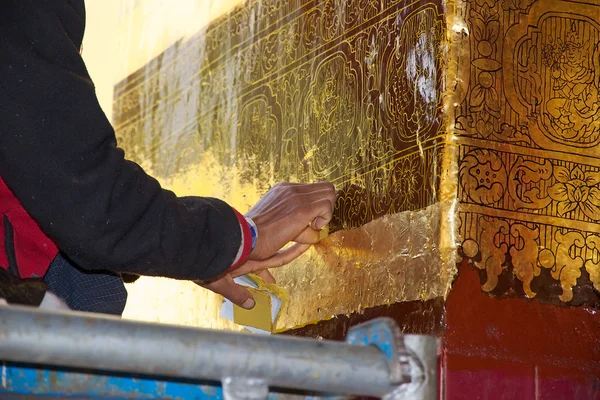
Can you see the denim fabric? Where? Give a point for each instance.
(100, 291)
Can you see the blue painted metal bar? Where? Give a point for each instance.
(91, 342)
(18, 379)
(110, 359)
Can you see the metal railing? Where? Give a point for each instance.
(376, 360)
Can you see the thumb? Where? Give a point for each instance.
(226, 287)
(279, 259)
(324, 213)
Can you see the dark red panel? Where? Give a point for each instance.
(553, 383)
(519, 330)
(481, 379)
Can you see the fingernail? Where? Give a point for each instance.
(249, 304)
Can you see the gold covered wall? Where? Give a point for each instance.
(345, 91)
(466, 122)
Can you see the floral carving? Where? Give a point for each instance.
(483, 176)
(484, 99)
(493, 251)
(486, 3)
(510, 134)
(567, 266)
(498, 244)
(413, 82)
(521, 5)
(406, 183)
(529, 101)
(592, 265)
(289, 41)
(523, 174)
(524, 255)
(576, 190)
(486, 29)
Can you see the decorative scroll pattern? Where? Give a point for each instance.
(344, 91)
(348, 91)
(529, 163)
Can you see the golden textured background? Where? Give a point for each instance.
(349, 92)
(521, 74)
(353, 92)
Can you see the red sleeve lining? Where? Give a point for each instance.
(246, 240)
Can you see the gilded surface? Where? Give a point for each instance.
(345, 91)
(529, 162)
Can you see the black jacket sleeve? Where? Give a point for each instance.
(58, 155)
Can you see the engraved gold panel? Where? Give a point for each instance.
(408, 108)
(345, 91)
(529, 160)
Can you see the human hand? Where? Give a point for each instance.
(226, 287)
(291, 212)
(287, 213)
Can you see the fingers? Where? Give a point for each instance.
(266, 276)
(291, 213)
(280, 259)
(320, 222)
(227, 288)
(317, 195)
(321, 213)
(283, 257)
(306, 193)
(316, 210)
(312, 236)
(308, 236)
(312, 187)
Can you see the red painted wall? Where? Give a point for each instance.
(517, 348)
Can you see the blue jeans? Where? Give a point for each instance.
(99, 291)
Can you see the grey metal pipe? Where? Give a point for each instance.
(104, 343)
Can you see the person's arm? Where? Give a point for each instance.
(58, 155)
